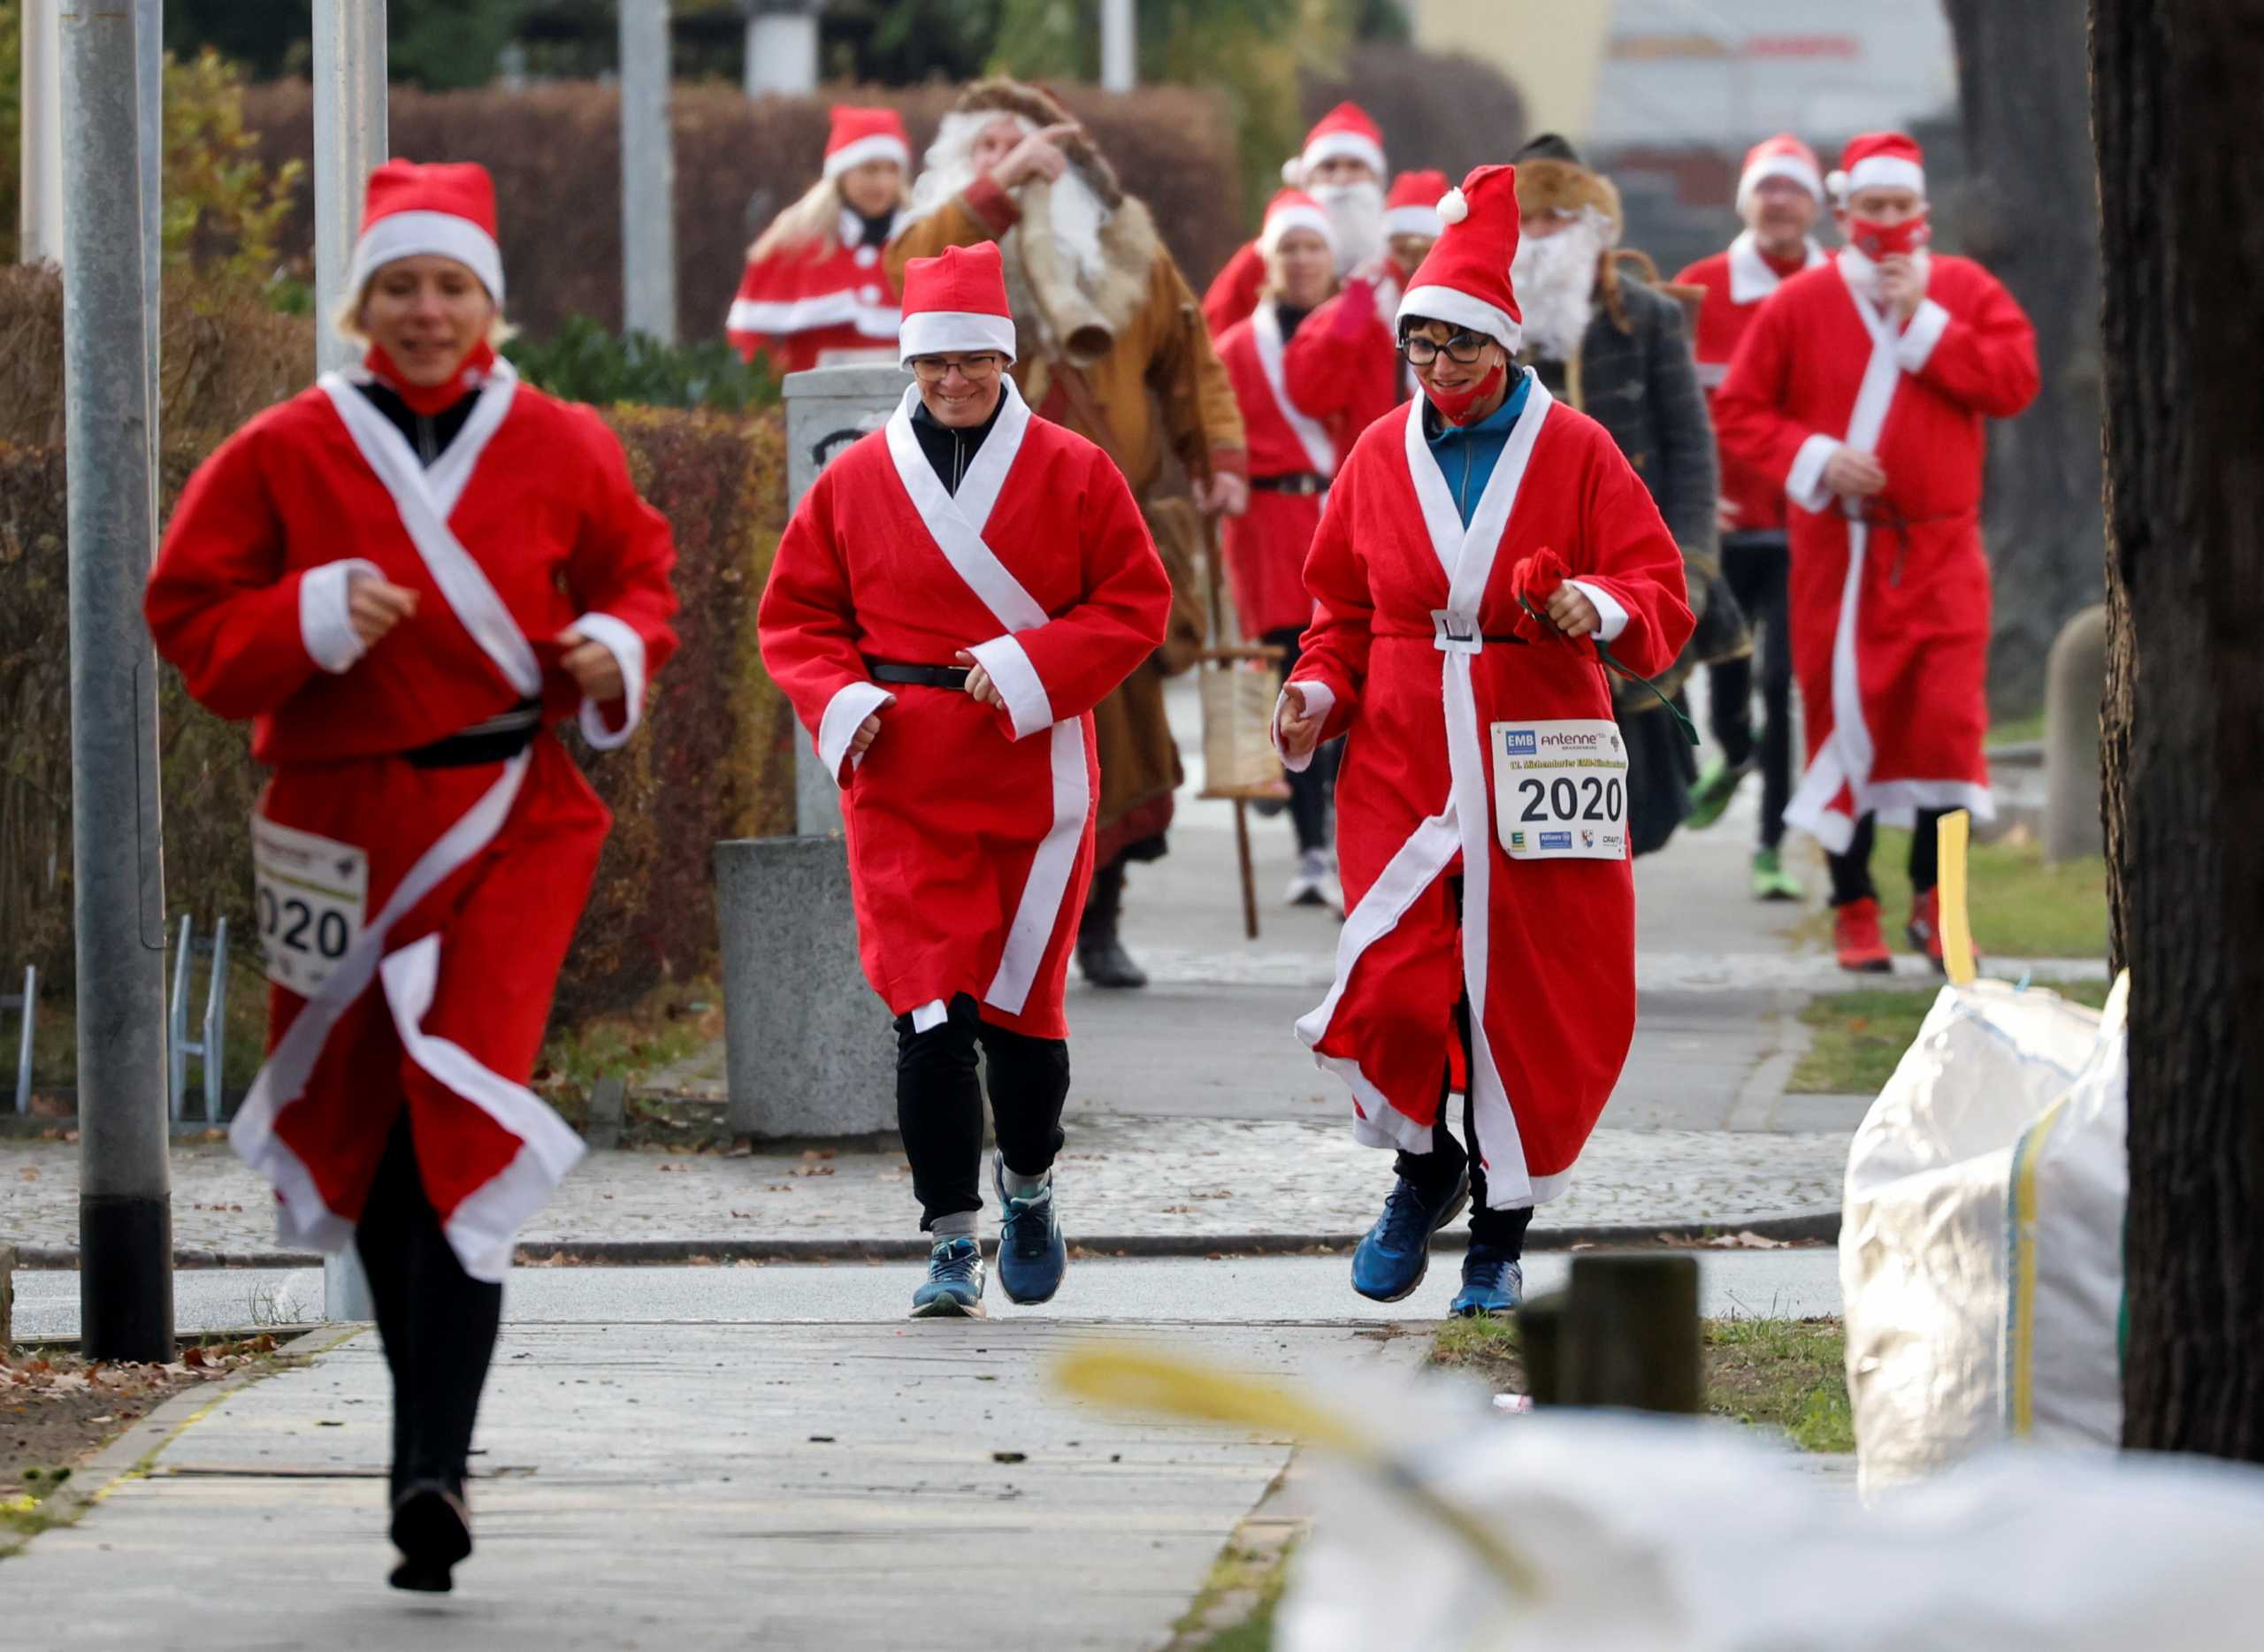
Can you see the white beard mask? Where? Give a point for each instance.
(1554, 277)
(1357, 211)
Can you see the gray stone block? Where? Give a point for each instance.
(2074, 681)
(808, 1046)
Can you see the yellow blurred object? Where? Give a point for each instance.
(1957, 929)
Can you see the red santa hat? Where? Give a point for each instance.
(1412, 206)
(1783, 155)
(1464, 279)
(956, 301)
(1345, 133)
(1879, 160)
(866, 134)
(1294, 209)
(446, 209)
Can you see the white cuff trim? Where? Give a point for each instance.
(326, 621)
(1804, 486)
(1016, 677)
(1916, 344)
(1319, 697)
(1610, 619)
(621, 641)
(845, 714)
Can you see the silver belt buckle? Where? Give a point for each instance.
(1453, 633)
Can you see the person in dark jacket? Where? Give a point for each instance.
(1618, 347)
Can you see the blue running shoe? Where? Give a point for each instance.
(1391, 1261)
(953, 1290)
(1492, 1283)
(1032, 1254)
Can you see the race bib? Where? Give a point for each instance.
(312, 894)
(1560, 790)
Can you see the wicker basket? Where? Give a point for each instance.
(1238, 757)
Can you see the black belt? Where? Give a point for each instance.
(917, 676)
(1303, 482)
(499, 737)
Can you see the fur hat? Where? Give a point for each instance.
(1041, 107)
(1552, 177)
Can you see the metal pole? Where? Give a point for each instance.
(350, 143)
(648, 173)
(40, 212)
(1120, 50)
(125, 1287)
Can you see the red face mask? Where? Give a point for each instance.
(1454, 405)
(1877, 240)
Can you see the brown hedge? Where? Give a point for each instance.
(556, 152)
(716, 759)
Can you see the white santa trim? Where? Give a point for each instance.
(779, 318)
(1282, 219)
(325, 616)
(1413, 220)
(1915, 347)
(1751, 279)
(621, 641)
(282, 1079)
(1017, 680)
(1458, 308)
(845, 714)
(408, 234)
(1321, 699)
(1338, 146)
(878, 146)
(935, 332)
(1883, 171)
(486, 1222)
(1265, 333)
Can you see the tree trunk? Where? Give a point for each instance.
(2026, 213)
(2183, 253)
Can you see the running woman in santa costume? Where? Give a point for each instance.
(401, 576)
(815, 286)
(1483, 547)
(955, 593)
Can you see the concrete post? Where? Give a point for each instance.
(124, 1210)
(2075, 680)
(351, 141)
(40, 212)
(1120, 45)
(781, 47)
(648, 173)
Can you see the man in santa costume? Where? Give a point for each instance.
(1778, 195)
(401, 576)
(1342, 166)
(1346, 364)
(1483, 548)
(1293, 455)
(1108, 344)
(954, 595)
(1862, 389)
(814, 288)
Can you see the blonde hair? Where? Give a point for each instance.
(346, 319)
(813, 223)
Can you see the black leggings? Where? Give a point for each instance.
(1441, 1168)
(1754, 565)
(437, 1323)
(1851, 873)
(1309, 792)
(939, 1104)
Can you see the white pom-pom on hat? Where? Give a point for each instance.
(1453, 208)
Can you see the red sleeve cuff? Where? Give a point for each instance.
(990, 206)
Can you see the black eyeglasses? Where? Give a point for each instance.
(1465, 348)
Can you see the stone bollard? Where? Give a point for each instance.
(2075, 679)
(809, 1047)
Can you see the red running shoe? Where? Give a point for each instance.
(1855, 939)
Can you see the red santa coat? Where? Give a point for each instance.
(1266, 546)
(801, 303)
(1889, 595)
(971, 829)
(1344, 362)
(1738, 282)
(1546, 951)
(476, 875)
(1233, 293)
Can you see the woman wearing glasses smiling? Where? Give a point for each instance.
(1485, 553)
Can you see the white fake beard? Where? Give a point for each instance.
(1078, 213)
(1357, 211)
(1555, 278)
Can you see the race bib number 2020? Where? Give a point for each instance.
(311, 895)
(1560, 790)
